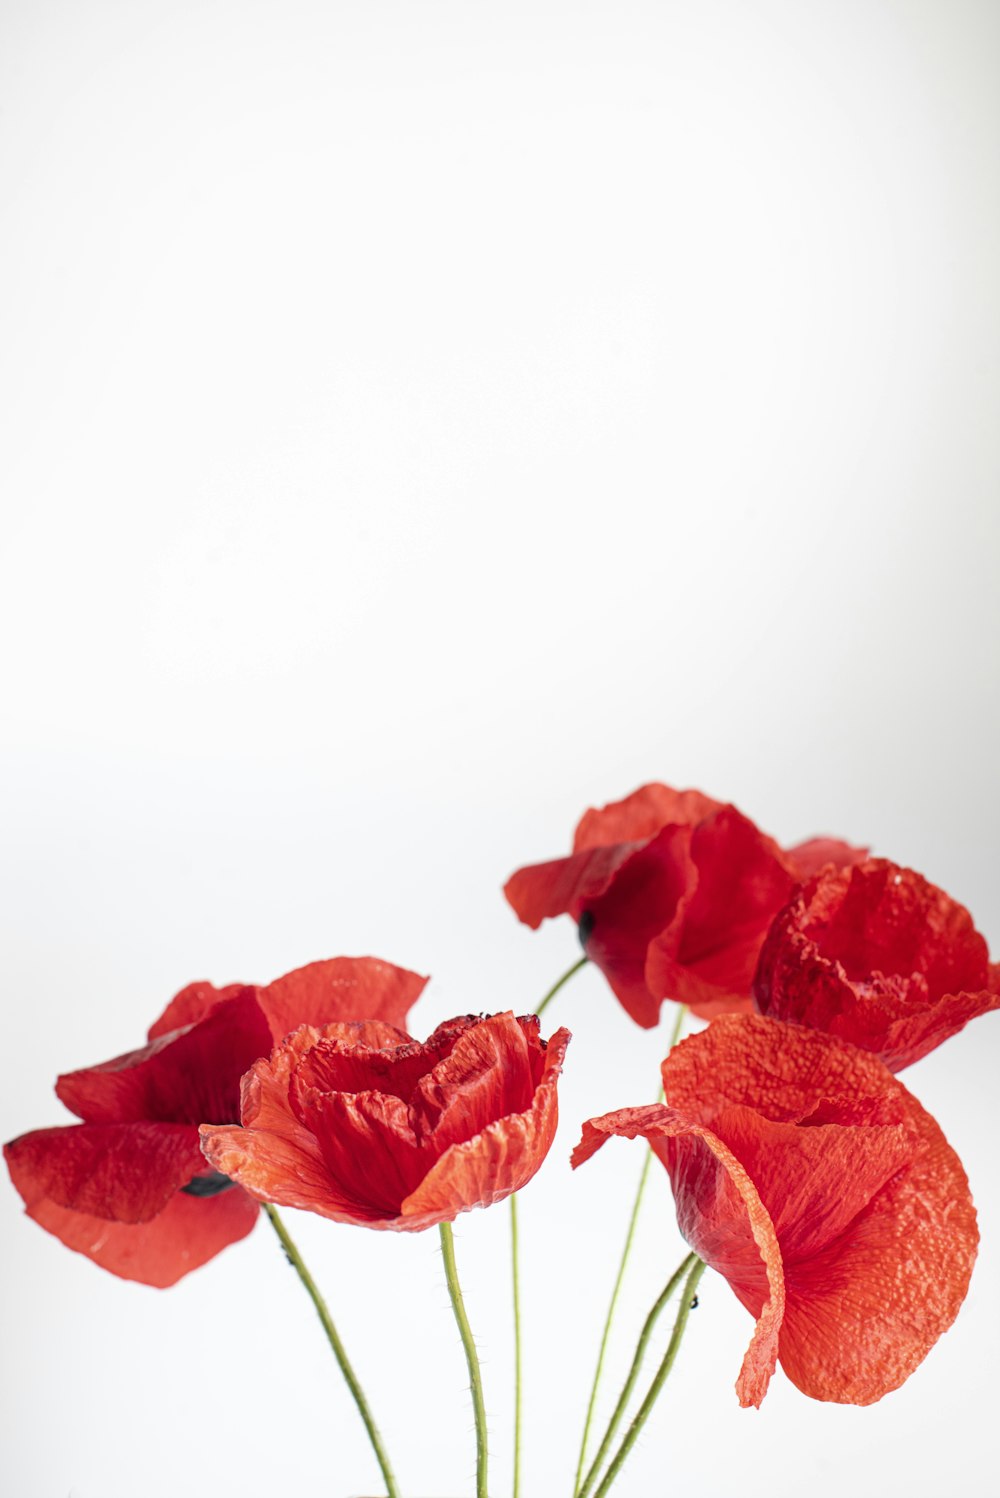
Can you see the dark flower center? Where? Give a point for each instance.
(584, 928)
(207, 1185)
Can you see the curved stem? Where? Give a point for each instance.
(613, 1304)
(295, 1259)
(471, 1356)
(540, 1010)
(632, 1434)
(633, 1373)
(517, 1345)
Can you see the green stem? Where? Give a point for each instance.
(613, 1305)
(517, 1345)
(295, 1259)
(633, 1374)
(471, 1357)
(632, 1434)
(675, 1033)
(559, 983)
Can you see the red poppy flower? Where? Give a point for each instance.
(673, 894)
(821, 1190)
(878, 956)
(362, 1124)
(129, 1186)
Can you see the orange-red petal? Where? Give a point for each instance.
(874, 1277)
(341, 989)
(499, 1160)
(186, 1234)
(720, 1214)
(434, 1133)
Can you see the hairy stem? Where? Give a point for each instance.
(633, 1373)
(662, 1373)
(471, 1356)
(333, 1336)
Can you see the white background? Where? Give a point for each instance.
(423, 421)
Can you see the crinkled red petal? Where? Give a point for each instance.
(501, 1159)
(123, 1172)
(808, 858)
(720, 1214)
(341, 989)
(876, 956)
(873, 1278)
(367, 1156)
(274, 1158)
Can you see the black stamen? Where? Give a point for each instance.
(207, 1185)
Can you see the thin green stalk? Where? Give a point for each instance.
(471, 1356)
(517, 1345)
(613, 1304)
(515, 1271)
(559, 983)
(295, 1259)
(632, 1434)
(633, 1374)
(675, 1033)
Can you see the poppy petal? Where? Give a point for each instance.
(643, 908)
(865, 1311)
(273, 1157)
(706, 957)
(122, 1172)
(340, 989)
(487, 1074)
(806, 859)
(641, 816)
(864, 1306)
(188, 1076)
(192, 1004)
(501, 1159)
(720, 1214)
(877, 956)
(565, 885)
(186, 1234)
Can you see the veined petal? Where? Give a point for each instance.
(120, 1172)
(186, 1234)
(720, 1214)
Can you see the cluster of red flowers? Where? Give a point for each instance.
(803, 1171)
